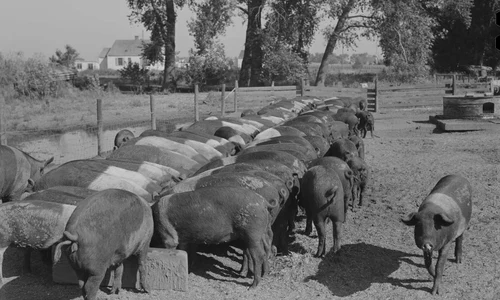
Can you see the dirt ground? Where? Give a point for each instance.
(378, 259)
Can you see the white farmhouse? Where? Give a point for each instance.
(122, 52)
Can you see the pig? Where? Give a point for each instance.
(16, 171)
(322, 196)
(248, 112)
(278, 131)
(361, 178)
(61, 194)
(442, 218)
(360, 145)
(343, 149)
(212, 215)
(31, 224)
(122, 137)
(346, 176)
(102, 232)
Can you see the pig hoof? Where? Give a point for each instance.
(115, 290)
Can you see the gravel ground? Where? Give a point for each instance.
(378, 259)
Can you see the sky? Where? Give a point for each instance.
(91, 25)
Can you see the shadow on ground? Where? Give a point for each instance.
(357, 266)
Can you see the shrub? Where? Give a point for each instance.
(209, 68)
(136, 75)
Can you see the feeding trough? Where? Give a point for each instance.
(469, 112)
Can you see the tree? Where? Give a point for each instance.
(210, 67)
(66, 58)
(212, 18)
(159, 17)
(350, 15)
(253, 56)
(135, 74)
(466, 41)
(292, 24)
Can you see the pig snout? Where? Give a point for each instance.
(427, 249)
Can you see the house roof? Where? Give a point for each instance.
(126, 48)
(104, 52)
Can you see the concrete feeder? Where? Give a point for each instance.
(469, 112)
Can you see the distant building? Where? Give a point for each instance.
(82, 64)
(122, 52)
(103, 62)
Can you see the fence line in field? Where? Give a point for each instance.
(78, 146)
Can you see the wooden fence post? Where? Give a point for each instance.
(223, 103)
(376, 94)
(3, 136)
(302, 87)
(235, 95)
(99, 127)
(152, 106)
(196, 114)
(272, 88)
(454, 84)
(435, 80)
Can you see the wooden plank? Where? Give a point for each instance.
(403, 89)
(268, 88)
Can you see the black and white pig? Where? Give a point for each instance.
(104, 230)
(441, 219)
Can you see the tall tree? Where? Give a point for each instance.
(293, 24)
(211, 20)
(467, 40)
(253, 57)
(350, 16)
(405, 36)
(158, 17)
(66, 58)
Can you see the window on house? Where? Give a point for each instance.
(79, 66)
(91, 66)
(119, 61)
(129, 60)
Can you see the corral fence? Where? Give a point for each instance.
(98, 139)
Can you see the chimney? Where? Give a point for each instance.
(136, 37)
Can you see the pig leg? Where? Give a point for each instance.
(244, 264)
(458, 248)
(319, 222)
(141, 259)
(92, 284)
(309, 221)
(259, 258)
(117, 280)
(443, 255)
(2, 251)
(337, 230)
(27, 260)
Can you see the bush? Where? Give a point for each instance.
(209, 68)
(136, 75)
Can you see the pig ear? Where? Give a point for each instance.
(410, 220)
(445, 219)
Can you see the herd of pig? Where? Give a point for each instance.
(214, 181)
